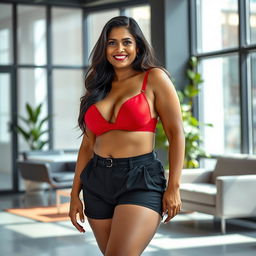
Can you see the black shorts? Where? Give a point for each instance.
(108, 182)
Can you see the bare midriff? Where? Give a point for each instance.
(120, 144)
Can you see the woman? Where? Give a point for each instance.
(124, 187)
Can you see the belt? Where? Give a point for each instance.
(124, 162)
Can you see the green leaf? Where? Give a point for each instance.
(30, 113)
(42, 143)
(205, 124)
(35, 134)
(197, 78)
(194, 92)
(181, 96)
(42, 121)
(34, 126)
(194, 121)
(187, 91)
(191, 74)
(25, 134)
(193, 61)
(37, 112)
(43, 132)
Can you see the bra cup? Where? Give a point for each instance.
(134, 115)
(94, 121)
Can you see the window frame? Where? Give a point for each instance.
(49, 67)
(244, 49)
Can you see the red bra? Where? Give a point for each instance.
(134, 115)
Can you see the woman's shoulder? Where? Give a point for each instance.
(159, 81)
(158, 74)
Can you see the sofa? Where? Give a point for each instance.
(227, 191)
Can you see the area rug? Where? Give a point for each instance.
(43, 213)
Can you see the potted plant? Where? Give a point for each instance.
(32, 134)
(190, 123)
(34, 131)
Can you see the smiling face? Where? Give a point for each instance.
(121, 48)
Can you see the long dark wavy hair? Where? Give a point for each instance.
(100, 74)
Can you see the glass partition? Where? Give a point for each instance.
(220, 105)
(142, 15)
(5, 134)
(217, 24)
(32, 89)
(6, 42)
(68, 88)
(67, 36)
(31, 35)
(96, 22)
(253, 21)
(253, 98)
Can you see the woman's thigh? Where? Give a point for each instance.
(101, 230)
(133, 227)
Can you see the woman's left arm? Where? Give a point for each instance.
(168, 107)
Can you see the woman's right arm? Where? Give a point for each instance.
(84, 155)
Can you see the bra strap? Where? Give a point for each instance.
(143, 89)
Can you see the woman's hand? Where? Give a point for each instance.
(76, 206)
(171, 203)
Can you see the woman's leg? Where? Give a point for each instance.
(133, 227)
(101, 230)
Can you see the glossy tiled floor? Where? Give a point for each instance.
(186, 235)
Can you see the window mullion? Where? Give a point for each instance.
(49, 73)
(243, 75)
(193, 27)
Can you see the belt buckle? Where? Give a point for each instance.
(111, 162)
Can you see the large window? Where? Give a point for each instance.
(67, 83)
(31, 35)
(142, 15)
(33, 90)
(226, 52)
(67, 36)
(217, 24)
(220, 104)
(5, 135)
(253, 98)
(44, 52)
(253, 21)
(96, 22)
(68, 87)
(6, 42)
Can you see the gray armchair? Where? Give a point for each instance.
(227, 191)
(56, 174)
